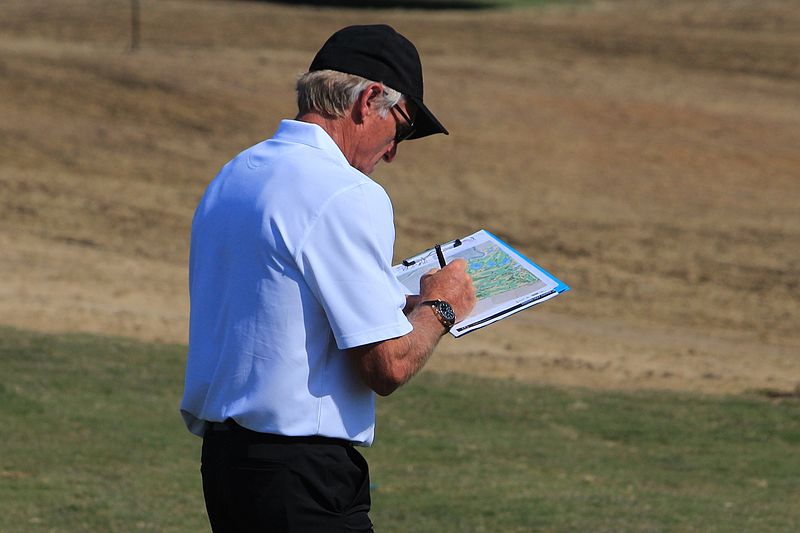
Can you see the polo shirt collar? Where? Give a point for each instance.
(296, 131)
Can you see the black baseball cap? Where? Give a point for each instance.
(377, 52)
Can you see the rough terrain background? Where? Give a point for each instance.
(647, 153)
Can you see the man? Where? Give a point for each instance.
(296, 318)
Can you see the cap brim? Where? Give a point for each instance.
(425, 121)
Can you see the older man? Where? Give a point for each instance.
(296, 318)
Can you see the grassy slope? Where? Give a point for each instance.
(93, 442)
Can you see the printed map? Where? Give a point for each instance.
(494, 272)
(498, 278)
(505, 281)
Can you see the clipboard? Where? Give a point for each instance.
(506, 281)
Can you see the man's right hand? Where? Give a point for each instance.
(451, 284)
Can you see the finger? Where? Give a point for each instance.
(460, 263)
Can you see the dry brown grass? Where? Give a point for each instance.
(647, 153)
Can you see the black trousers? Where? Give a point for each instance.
(254, 482)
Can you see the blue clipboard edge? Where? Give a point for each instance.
(561, 287)
(460, 332)
(558, 289)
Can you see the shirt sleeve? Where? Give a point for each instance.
(345, 259)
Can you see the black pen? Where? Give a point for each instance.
(440, 255)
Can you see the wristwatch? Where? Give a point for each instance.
(443, 311)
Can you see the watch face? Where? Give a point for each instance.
(447, 312)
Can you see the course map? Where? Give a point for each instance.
(506, 282)
(494, 272)
(498, 278)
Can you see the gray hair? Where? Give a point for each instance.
(331, 93)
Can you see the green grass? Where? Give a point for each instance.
(92, 438)
(92, 441)
(470, 454)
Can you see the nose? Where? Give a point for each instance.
(391, 153)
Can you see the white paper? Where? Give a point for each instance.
(506, 282)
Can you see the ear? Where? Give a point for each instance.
(365, 103)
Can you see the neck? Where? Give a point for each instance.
(339, 129)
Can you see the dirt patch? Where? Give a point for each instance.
(645, 153)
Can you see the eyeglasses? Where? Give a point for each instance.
(404, 130)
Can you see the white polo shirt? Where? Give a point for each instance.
(290, 265)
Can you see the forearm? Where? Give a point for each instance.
(387, 365)
(422, 341)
